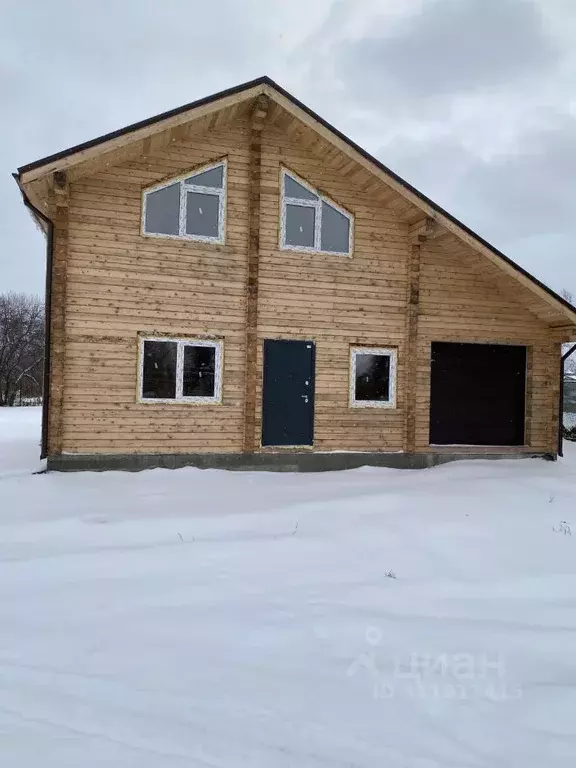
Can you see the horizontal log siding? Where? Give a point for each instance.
(459, 303)
(120, 283)
(334, 300)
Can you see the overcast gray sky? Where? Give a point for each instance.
(472, 101)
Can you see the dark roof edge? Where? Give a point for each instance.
(40, 218)
(145, 123)
(421, 196)
(265, 80)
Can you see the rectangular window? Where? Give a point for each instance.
(159, 370)
(373, 377)
(180, 370)
(300, 225)
(199, 374)
(202, 214)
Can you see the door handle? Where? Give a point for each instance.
(305, 398)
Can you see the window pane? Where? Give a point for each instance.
(300, 222)
(212, 178)
(163, 211)
(335, 234)
(159, 374)
(199, 371)
(293, 189)
(202, 214)
(372, 377)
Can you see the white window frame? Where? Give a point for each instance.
(184, 188)
(317, 205)
(181, 344)
(384, 352)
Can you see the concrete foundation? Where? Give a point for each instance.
(270, 462)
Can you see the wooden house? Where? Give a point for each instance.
(236, 283)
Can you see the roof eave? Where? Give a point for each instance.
(266, 84)
(250, 88)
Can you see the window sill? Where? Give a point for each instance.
(373, 404)
(173, 401)
(314, 252)
(185, 238)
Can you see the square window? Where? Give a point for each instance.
(199, 371)
(300, 225)
(159, 370)
(202, 214)
(373, 377)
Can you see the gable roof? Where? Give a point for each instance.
(266, 85)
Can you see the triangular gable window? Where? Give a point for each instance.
(312, 222)
(192, 207)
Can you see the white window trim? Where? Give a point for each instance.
(384, 351)
(317, 205)
(181, 344)
(184, 188)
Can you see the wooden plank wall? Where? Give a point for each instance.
(59, 207)
(412, 320)
(120, 283)
(459, 303)
(335, 301)
(251, 443)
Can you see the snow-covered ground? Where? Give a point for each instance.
(365, 619)
(19, 440)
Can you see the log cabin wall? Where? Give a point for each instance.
(336, 301)
(463, 301)
(120, 283)
(59, 208)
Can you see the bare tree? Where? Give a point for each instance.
(21, 347)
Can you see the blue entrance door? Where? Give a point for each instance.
(288, 393)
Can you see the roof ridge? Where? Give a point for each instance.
(265, 80)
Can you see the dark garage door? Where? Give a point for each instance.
(478, 394)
